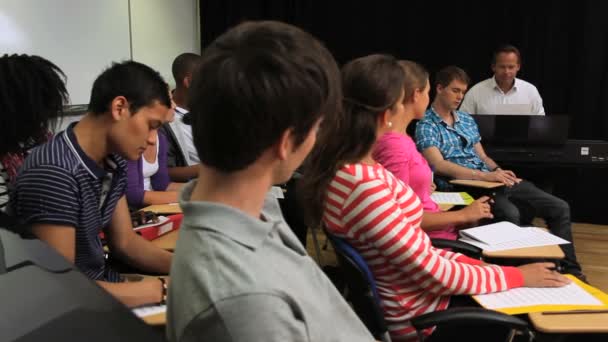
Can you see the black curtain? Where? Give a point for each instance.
(564, 44)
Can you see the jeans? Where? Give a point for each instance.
(555, 212)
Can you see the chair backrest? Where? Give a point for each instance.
(46, 299)
(361, 288)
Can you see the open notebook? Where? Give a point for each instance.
(505, 235)
(575, 296)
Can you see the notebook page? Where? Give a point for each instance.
(495, 233)
(536, 237)
(571, 294)
(447, 198)
(150, 310)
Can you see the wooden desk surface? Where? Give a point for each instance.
(158, 319)
(164, 208)
(570, 323)
(167, 241)
(541, 252)
(445, 207)
(477, 183)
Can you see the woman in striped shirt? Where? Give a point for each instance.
(361, 202)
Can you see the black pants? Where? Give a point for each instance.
(555, 211)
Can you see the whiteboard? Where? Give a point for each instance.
(82, 37)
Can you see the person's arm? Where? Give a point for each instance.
(476, 211)
(135, 183)
(183, 173)
(62, 238)
(132, 248)
(537, 103)
(159, 197)
(453, 170)
(410, 251)
(246, 317)
(175, 186)
(481, 153)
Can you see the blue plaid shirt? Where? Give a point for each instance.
(455, 143)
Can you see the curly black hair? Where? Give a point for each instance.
(32, 95)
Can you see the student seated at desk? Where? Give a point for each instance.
(397, 153)
(449, 139)
(32, 95)
(72, 187)
(182, 156)
(239, 272)
(360, 201)
(148, 177)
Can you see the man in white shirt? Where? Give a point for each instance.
(504, 93)
(182, 156)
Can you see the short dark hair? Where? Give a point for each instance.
(32, 94)
(506, 48)
(256, 81)
(137, 82)
(183, 65)
(446, 75)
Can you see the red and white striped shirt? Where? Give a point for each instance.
(380, 217)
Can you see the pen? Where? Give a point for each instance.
(572, 312)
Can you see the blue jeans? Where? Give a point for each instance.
(554, 210)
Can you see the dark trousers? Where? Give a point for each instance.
(554, 210)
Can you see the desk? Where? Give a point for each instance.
(541, 252)
(164, 208)
(570, 323)
(158, 319)
(476, 183)
(167, 241)
(445, 206)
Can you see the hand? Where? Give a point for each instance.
(433, 187)
(478, 210)
(541, 274)
(507, 177)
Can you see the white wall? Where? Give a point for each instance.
(161, 30)
(80, 36)
(84, 36)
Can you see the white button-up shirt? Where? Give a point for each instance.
(486, 97)
(183, 133)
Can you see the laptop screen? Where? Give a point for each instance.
(523, 129)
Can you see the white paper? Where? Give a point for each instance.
(571, 294)
(145, 311)
(533, 237)
(447, 198)
(494, 233)
(277, 191)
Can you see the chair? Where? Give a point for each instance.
(363, 294)
(361, 288)
(458, 246)
(44, 298)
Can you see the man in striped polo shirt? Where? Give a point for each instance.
(72, 187)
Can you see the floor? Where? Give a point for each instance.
(590, 242)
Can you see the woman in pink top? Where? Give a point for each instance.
(396, 151)
(361, 202)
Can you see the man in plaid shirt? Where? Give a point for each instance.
(450, 141)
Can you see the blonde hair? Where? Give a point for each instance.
(415, 77)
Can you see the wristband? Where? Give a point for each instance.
(163, 299)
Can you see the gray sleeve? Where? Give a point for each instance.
(253, 317)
